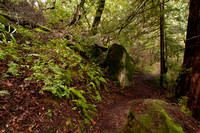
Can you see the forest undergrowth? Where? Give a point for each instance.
(34, 69)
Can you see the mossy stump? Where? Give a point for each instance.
(120, 65)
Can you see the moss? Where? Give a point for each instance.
(40, 30)
(146, 120)
(173, 127)
(3, 14)
(3, 20)
(113, 60)
(152, 118)
(117, 59)
(43, 28)
(130, 66)
(154, 104)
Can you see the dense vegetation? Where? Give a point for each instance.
(51, 45)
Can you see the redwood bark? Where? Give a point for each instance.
(189, 84)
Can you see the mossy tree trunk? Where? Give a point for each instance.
(98, 17)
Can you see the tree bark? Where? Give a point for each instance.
(189, 83)
(97, 17)
(162, 44)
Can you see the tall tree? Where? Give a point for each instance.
(162, 42)
(189, 83)
(98, 17)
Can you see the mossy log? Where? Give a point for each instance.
(76, 49)
(5, 18)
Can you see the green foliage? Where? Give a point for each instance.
(183, 103)
(13, 69)
(49, 113)
(58, 66)
(60, 15)
(174, 68)
(4, 92)
(39, 30)
(9, 46)
(7, 32)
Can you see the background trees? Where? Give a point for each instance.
(134, 24)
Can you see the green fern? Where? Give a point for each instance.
(4, 92)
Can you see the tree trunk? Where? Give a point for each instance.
(97, 17)
(189, 83)
(162, 43)
(77, 14)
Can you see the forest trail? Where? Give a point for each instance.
(113, 114)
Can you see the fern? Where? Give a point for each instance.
(56, 70)
(13, 68)
(4, 92)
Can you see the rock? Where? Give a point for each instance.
(120, 65)
(151, 116)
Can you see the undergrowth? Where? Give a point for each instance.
(183, 104)
(62, 71)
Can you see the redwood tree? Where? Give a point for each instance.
(190, 77)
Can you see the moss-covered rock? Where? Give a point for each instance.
(120, 65)
(150, 116)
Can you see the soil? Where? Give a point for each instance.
(28, 110)
(113, 113)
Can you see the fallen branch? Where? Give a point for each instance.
(23, 22)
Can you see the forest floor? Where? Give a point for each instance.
(113, 112)
(27, 110)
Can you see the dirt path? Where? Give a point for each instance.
(113, 114)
